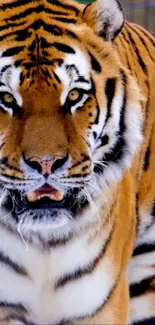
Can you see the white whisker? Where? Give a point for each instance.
(93, 205)
(20, 232)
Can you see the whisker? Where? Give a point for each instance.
(20, 233)
(102, 193)
(93, 205)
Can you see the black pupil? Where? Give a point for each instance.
(8, 97)
(77, 95)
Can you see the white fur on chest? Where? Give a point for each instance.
(46, 303)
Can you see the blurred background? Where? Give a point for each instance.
(139, 11)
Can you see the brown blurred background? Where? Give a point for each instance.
(139, 11)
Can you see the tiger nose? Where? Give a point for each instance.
(46, 165)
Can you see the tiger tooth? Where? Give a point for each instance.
(31, 197)
(55, 195)
(59, 195)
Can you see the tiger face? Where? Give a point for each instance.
(70, 119)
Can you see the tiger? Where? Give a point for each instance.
(77, 164)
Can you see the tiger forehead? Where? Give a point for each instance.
(42, 17)
(35, 34)
(66, 7)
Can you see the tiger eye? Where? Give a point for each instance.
(8, 98)
(74, 95)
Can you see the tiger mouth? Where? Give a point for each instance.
(46, 191)
(43, 199)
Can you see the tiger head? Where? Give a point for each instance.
(70, 118)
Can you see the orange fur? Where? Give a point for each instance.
(41, 119)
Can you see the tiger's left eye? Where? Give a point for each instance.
(8, 98)
(74, 95)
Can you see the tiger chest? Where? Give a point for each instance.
(52, 286)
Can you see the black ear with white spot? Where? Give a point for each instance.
(105, 17)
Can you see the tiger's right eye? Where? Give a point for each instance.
(74, 95)
(7, 98)
(9, 103)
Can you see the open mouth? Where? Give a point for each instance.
(43, 199)
(46, 191)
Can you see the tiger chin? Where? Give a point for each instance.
(76, 162)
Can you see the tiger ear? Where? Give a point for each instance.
(105, 17)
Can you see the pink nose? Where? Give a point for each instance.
(45, 164)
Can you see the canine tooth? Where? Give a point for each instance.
(31, 197)
(59, 195)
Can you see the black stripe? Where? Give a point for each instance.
(56, 77)
(26, 12)
(46, 73)
(43, 43)
(95, 64)
(3, 161)
(144, 248)
(25, 33)
(50, 28)
(76, 176)
(142, 41)
(148, 35)
(66, 20)
(11, 26)
(54, 12)
(94, 135)
(36, 9)
(140, 288)
(5, 304)
(63, 48)
(11, 177)
(110, 93)
(93, 92)
(145, 70)
(84, 159)
(53, 29)
(15, 4)
(80, 318)
(69, 33)
(13, 51)
(87, 269)
(22, 35)
(3, 70)
(82, 79)
(130, 49)
(57, 242)
(64, 6)
(123, 41)
(117, 151)
(1, 146)
(147, 158)
(146, 321)
(104, 142)
(14, 266)
(140, 59)
(16, 318)
(1, 83)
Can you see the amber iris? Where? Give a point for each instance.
(74, 95)
(8, 98)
